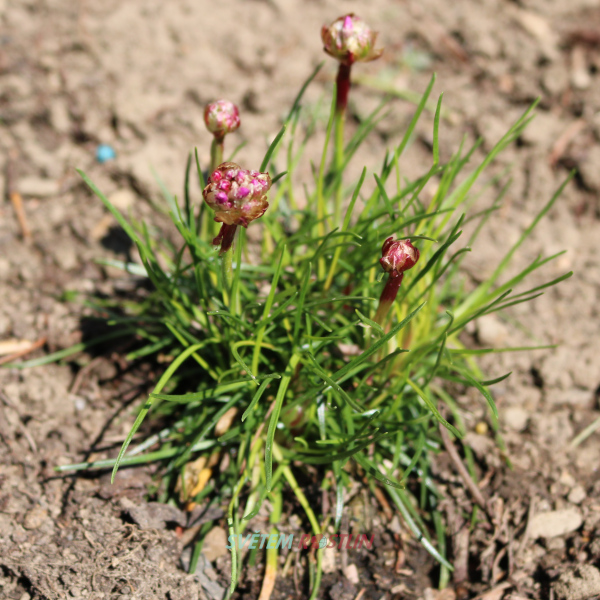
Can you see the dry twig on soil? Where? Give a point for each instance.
(462, 470)
(15, 196)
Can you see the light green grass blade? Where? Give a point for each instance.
(166, 376)
(283, 386)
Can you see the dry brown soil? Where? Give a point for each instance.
(136, 74)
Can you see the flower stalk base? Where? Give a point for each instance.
(216, 151)
(387, 298)
(225, 238)
(342, 88)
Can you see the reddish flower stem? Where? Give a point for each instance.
(388, 297)
(343, 87)
(341, 102)
(225, 238)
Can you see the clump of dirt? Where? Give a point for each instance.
(93, 554)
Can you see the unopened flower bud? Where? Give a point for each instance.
(398, 256)
(350, 39)
(238, 196)
(221, 117)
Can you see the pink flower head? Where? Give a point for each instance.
(221, 117)
(237, 196)
(350, 39)
(398, 256)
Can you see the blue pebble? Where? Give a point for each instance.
(104, 153)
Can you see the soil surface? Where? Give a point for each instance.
(136, 75)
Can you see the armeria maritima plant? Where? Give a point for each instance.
(221, 117)
(286, 368)
(396, 258)
(348, 39)
(238, 197)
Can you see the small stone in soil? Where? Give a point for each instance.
(589, 168)
(577, 495)
(578, 584)
(515, 418)
(554, 523)
(122, 198)
(206, 575)
(351, 573)
(491, 332)
(153, 515)
(38, 188)
(215, 544)
(329, 565)
(343, 590)
(35, 518)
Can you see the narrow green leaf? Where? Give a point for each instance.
(189, 215)
(480, 387)
(477, 351)
(283, 386)
(240, 361)
(376, 346)
(369, 322)
(484, 288)
(169, 198)
(264, 322)
(116, 214)
(497, 379)
(402, 502)
(298, 99)
(420, 446)
(386, 199)
(213, 392)
(300, 305)
(275, 179)
(76, 348)
(258, 395)
(348, 215)
(268, 305)
(368, 466)
(433, 408)
(414, 120)
(326, 458)
(274, 144)
(436, 131)
(544, 286)
(185, 456)
(166, 376)
(201, 181)
(331, 383)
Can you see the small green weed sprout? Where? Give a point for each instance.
(293, 366)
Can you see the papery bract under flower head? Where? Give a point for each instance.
(398, 256)
(350, 39)
(221, 117)
(238, 196)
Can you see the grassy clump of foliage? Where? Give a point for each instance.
(280, 365)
